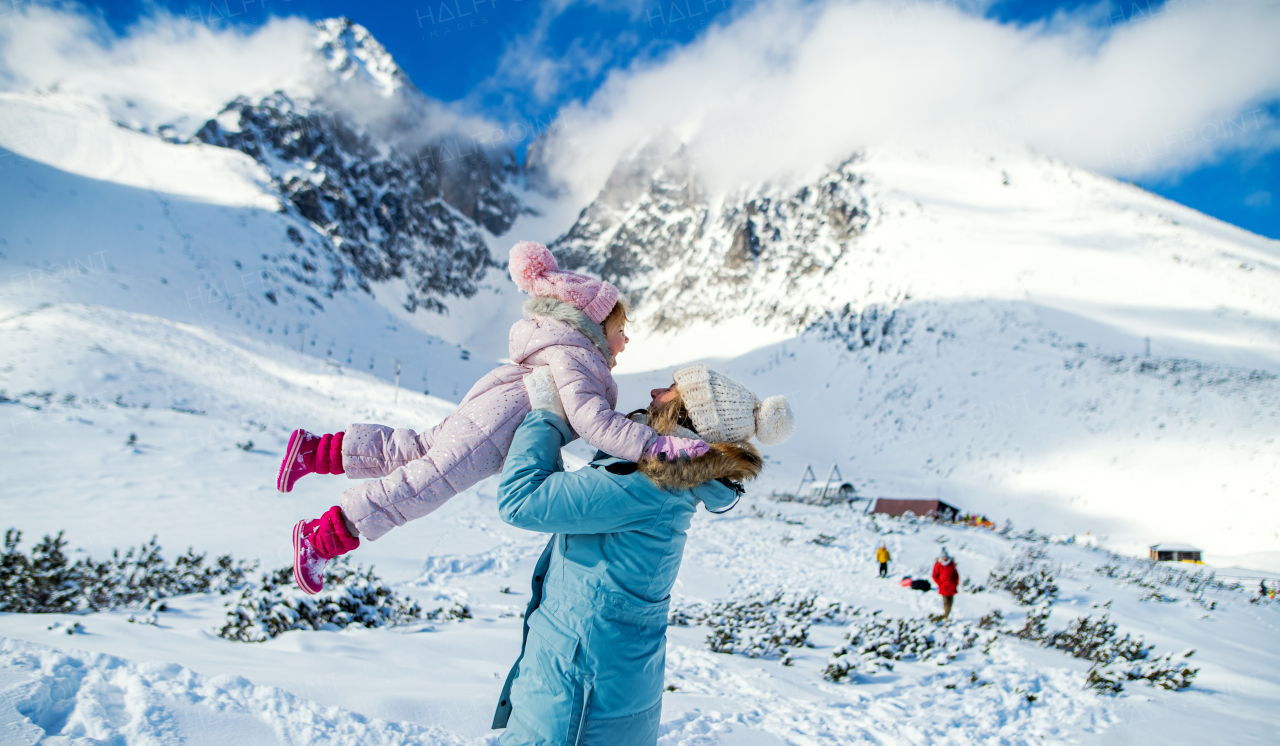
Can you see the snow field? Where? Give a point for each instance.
(96, 698)
(185, 480)
(984, 405)
(445, 675)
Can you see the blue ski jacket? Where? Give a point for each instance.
(590, 672)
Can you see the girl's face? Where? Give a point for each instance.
(617, 340)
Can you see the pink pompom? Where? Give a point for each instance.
(531, 260)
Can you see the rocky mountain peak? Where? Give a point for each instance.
(386, 199)
(684, 256)
(349, 50)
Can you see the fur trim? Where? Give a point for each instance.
(737, 462)
(558, 310)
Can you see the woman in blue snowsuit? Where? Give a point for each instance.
(591, 669)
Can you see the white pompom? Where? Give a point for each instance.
(775, 421)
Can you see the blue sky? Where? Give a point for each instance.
(522, 60)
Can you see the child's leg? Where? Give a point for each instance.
(372, 451)
(459, 453)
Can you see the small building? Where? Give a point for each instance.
(1175, 553)
(832, 490)
(925, 508)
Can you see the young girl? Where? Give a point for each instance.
(574, 325)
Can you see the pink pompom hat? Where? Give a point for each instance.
(534, 269)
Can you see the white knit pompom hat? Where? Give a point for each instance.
(724, 410)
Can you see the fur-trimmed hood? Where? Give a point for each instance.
(736, 462)
(558, 310)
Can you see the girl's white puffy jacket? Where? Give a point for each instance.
(416, 473)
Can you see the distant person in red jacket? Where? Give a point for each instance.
(947, 578)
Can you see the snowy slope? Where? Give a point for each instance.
(1023, 338)
(175, 682)
(100, 215)
(938, 331)
(277, 212)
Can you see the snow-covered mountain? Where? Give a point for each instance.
(186, 285)
(1022, 337)
(1030, 340)
(323, 215)
(393, 202)
(685, 257)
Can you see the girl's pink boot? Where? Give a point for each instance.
(309, 454)
(315, 543)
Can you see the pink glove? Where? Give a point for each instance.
(670, 448)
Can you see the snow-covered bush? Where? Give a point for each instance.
(760, 625)
(878, 642)
(47, 581)
(1150, 574)
(1033, 628)
(1157, 578)
(1115, 659)
(455, 613)
(1167, 672)
(1096, 640)
(991, 620)
(1027, 576)
(352, 596)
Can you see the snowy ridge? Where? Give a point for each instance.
(373, 166)
(376, 213)
(351, 51)
(143, 361)
(766, 253)
(192, 234)
(887, 227)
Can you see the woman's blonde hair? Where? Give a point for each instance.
(670, 415)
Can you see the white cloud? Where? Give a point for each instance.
(165, 69)
(169, 70)
(788, 86)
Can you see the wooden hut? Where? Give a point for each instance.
(1175, 553)
(834, 490)
(925, 508)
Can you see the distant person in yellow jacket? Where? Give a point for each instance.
(882, 556)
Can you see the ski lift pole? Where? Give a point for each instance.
(806, 476)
